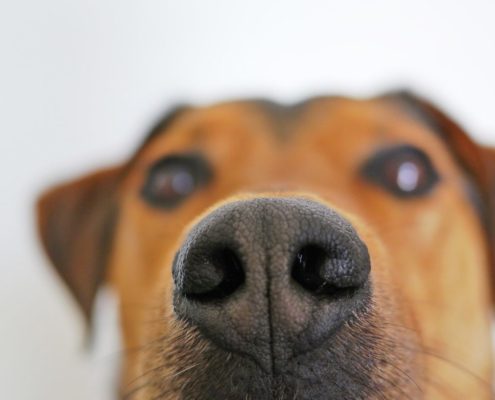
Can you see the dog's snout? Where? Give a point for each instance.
(271, 276)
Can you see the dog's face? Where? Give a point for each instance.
(333, 249)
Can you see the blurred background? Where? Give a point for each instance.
(82, 80)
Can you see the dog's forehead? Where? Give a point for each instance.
(281, 121)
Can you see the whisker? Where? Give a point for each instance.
(128, 395)
(182, 371)
(457, 366)
(443, 388)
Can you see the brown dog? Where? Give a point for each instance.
(333, 249)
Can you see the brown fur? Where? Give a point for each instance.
(428, 331)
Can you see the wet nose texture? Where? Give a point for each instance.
(271, 278)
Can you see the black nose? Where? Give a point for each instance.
(271, 277)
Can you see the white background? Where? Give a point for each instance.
(80, 81)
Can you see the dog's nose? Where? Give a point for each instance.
(271, 277)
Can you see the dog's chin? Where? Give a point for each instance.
(359, 361)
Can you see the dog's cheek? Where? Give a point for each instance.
(145, 301)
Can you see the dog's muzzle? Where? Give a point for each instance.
(271, 278)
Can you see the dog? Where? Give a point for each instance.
(335, 248)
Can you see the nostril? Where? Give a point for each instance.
(306, 268)
(214, 276)
(324, 272)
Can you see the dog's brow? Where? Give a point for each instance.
(162, 124)
(282, 116)
(158, 128)
(410, 106)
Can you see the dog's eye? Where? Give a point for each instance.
(173, 178)
(404, 171)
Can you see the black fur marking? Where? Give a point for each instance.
(163, 123)
(159, 128)
(409, 103)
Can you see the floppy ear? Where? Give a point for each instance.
(488, 159)
(75, 223)
(477, 161)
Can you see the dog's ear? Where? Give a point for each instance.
(487, 155)
(75, 223)
(477, 161)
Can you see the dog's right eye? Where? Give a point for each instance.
(173, 178)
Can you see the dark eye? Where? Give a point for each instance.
(404, 171)
(173, 178)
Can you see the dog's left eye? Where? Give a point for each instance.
(173, 178)
(404, 171)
